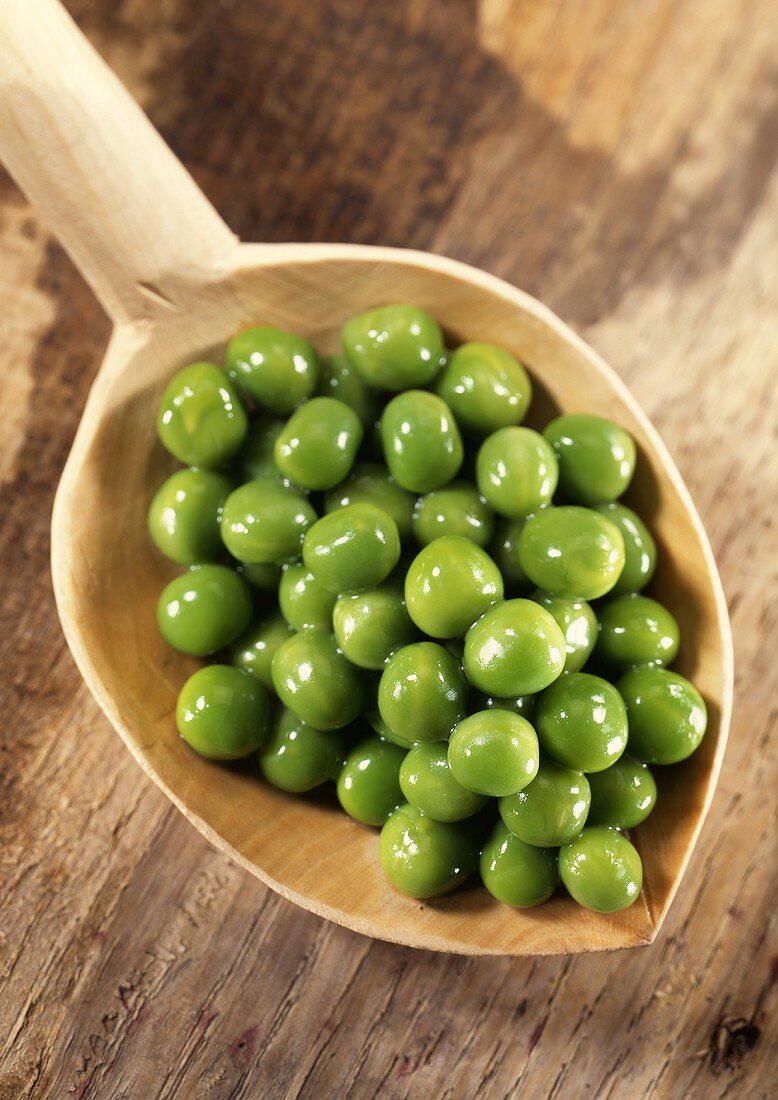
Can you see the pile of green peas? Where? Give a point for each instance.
(396, 579)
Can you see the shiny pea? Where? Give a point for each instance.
(449, 584)
(341, 381)
(370, 626)
(601, 870)
(204, 609)
(523, 705)
(223, 713)
(424, 858)
(265, 578)
(185, 515)
(255, 649)
(515, 648)
(371, 483)
(277, 369)
(581, 722)
(318, 444)
(577, 622)
(623, 795)
(422, 692)
(635, 630)
(494, 752)
(428, 783)
(516, 873)
(394, 347)
(297, 757)
(485, 387)
(639, 548)
(352, 549)
(516, 472)
(304, 602)
(201, 419)
(667, 715)
(369, 782)
(456, 509)
(504, 550)
(552, 810)
(572, 552)
(596, 457)
(263, 522)
(379, 726)
(421, 441)
(255, 458)
(313, 678)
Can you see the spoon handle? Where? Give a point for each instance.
(132, 218)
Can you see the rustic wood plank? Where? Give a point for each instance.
(619, 163)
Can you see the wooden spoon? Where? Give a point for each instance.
(177, 285)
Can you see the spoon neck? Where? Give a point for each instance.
(135, 223)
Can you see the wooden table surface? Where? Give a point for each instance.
(616, 160)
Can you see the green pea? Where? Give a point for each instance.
(379, 726)
(422, 692)
(255, 458)
(312, 678)
(263, 522)
(596, 457)
(297, 757)
(601, 870)
(421, 441)
(185, 516)
(635, 630)
(254, 651)
(428, 783)
(204, 609)
(485, 387)
(639, 548)
(516, 472)
(275, 368)
(582, 722)
(370, 483)
(552, 810)
(369, 782)
(515, 648)
(352, 549)
(201, 419)
(456, 509)
(341, 381)
(424, 858)
(266, 578)
(577, 622)
(517, 873)
(572, 552)
(370, 626)
(494, 752)
(667, 715)
(449, 585)
(523, 705)
(304, 602)
(394, 347)
(222, 713)
(623, 795)
(505, 552)
(319, 443)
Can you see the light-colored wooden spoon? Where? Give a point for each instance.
(177, 285)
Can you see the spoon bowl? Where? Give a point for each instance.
(178, 287)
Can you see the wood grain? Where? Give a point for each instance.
(556, 146)
(121, 204)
